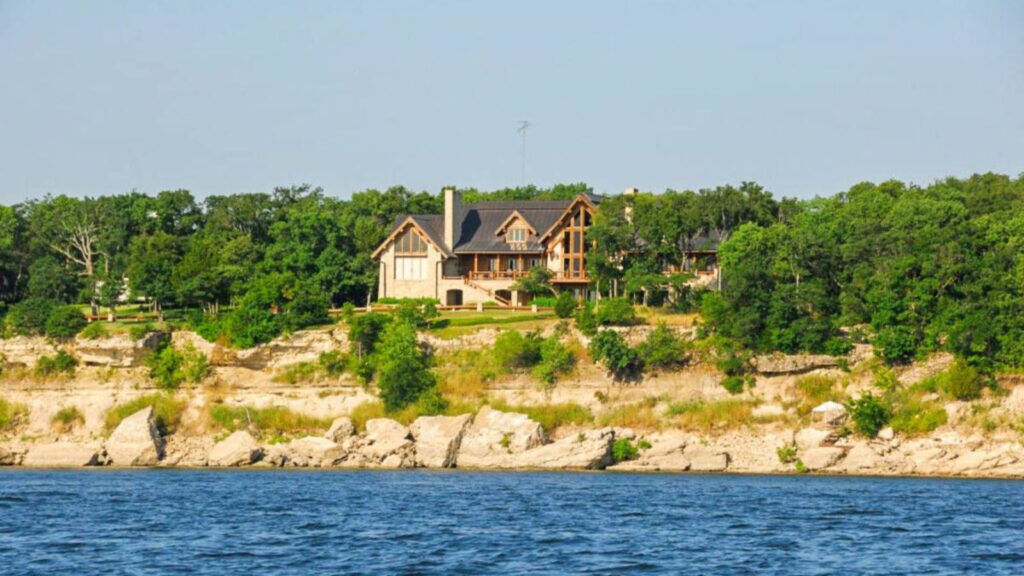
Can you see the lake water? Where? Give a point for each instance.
(305, 522)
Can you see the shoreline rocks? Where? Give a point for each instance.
(136, 441)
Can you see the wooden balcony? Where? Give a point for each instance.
(496, 275)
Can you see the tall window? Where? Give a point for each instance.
(410, 268)
(410, 242)
(515, 235)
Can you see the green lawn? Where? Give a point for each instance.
(455, 323)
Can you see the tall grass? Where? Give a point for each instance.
(12, 415)
(66, 419)
(718, 416)
(550, 416)
(166, 409)
(269, 422)
(639, 415)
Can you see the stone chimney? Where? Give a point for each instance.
(628, 211)
(452, 217)
(630, 191)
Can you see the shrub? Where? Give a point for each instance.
(61, 363)
(29, 316)
(623, 450)
(610, 349)
(365, 412)
(914, 417)
(332, 362)
(733, 363)
(565, 305)
(616, 312)
(555, 359)
(403, 371)
(837, 346)
(895, 344)
(961, 381)
(140, 331)
(662, 348)
(733, 384)
(644, 444)
(786, 454)
(169, 367)
(431, 403)
(869, 414)
(296, 373)
(94, 331)
(812, 390)
(514, 350)
(166, 410)
(269, 422)
(64, 322)
(364, 331)
(551, 416)
(66, 419)
(586, 320)
(416, 314)
(545, 301)
(12, 415)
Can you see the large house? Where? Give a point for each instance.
(474, 253)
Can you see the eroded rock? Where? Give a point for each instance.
(438, 439)
(792, 363)
(136, 441)
(63, 455)
(587, 450)
(706, 459)
(341, 429)
(238, 449)
(309, 451)
(495, 436)
(821, 458)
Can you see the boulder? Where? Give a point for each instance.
(861, 458)
(821, 458)
(136, 441)
(188, 451)
(792, 363)
(587, 450)
(808, 438)
(886, 433)
(386, 444)
(438, 439)
(311, 451)
(340, 429)
(495, 436)
(63, 454)
(666, 454)
(702, 459)
(9, 457)
(238, 449)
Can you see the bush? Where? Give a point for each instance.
(837, 346)
(662, 348)
(895, 344)
(403, 371)
(616, 312)
(555, 359)
(66, 419)
(29, 316)
(416, 314)
(610, 349)
(565, 305)
(140, 331)
(914, 418)
(586, 320)
(786, 454)
(812, 391)
(61, 363)
(733, 384)
(296, 373)
(94, 331)
(961, 381)
(514, 350)
(711, 416)
(623, 450)
(12, 415)
(869, 414)
(364, 331)
(544, 301)
(733, 363)
(64, 322)
(166, 410)
(169, 367)
(332, 362)
(431, 403)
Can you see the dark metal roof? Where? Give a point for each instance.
(481, 220)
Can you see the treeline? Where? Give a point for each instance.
(911, 269)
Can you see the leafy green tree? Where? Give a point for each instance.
(151, 268)
(64, 322)
(403, 369)
(609, 348)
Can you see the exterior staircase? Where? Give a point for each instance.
(494, 296)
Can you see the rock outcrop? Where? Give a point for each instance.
(587, 450)
(238, 449)
(136, 441)
(63, 455)
(706, 459)
(386, 444)
(25, 350)
(189, 451)
(341, 429)
(495, 437)
(792, 363)
(10, 457)
(438, 439)
(302, 346)
(118, 351)
(821, 458)
(308, 451)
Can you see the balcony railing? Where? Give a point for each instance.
(496, 275)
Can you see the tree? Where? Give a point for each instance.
(536, 281)
(403, 370)
(151, 268)
(609, 348)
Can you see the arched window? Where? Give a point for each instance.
(411, 243)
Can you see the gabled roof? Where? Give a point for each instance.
(482, 222)
(430, 225)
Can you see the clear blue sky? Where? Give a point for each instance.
(219, 97)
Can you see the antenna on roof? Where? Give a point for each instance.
(523, 125)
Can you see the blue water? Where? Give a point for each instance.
(303, 522)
